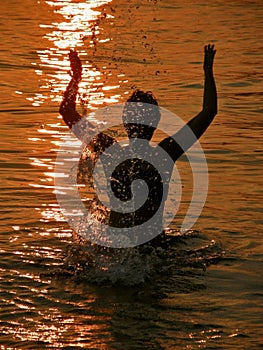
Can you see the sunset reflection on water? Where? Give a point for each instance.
(123, 45)
(76, 27)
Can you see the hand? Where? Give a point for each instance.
(75, 65)
(209, 57)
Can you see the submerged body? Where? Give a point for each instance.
(137, 129)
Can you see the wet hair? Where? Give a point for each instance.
(141, 96)
(141, 114)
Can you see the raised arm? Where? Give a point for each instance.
(185, 138)
(201, 122)
(100, 142)
(68, 105)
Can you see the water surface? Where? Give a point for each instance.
(207, 292)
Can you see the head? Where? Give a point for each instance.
(141, 115)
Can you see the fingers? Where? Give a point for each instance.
(209, 54)
(75, 65)
(74, 58)
(210, 48)
(73, 54)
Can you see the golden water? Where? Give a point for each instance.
(157, 46)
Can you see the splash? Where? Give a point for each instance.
(176, 253)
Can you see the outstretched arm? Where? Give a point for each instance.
(199, 123)
(70, 115)
(68, 105)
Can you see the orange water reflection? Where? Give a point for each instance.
(74, 24)
(77, 27)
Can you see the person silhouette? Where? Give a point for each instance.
(140, 119)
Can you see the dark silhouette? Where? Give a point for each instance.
(126, 172)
